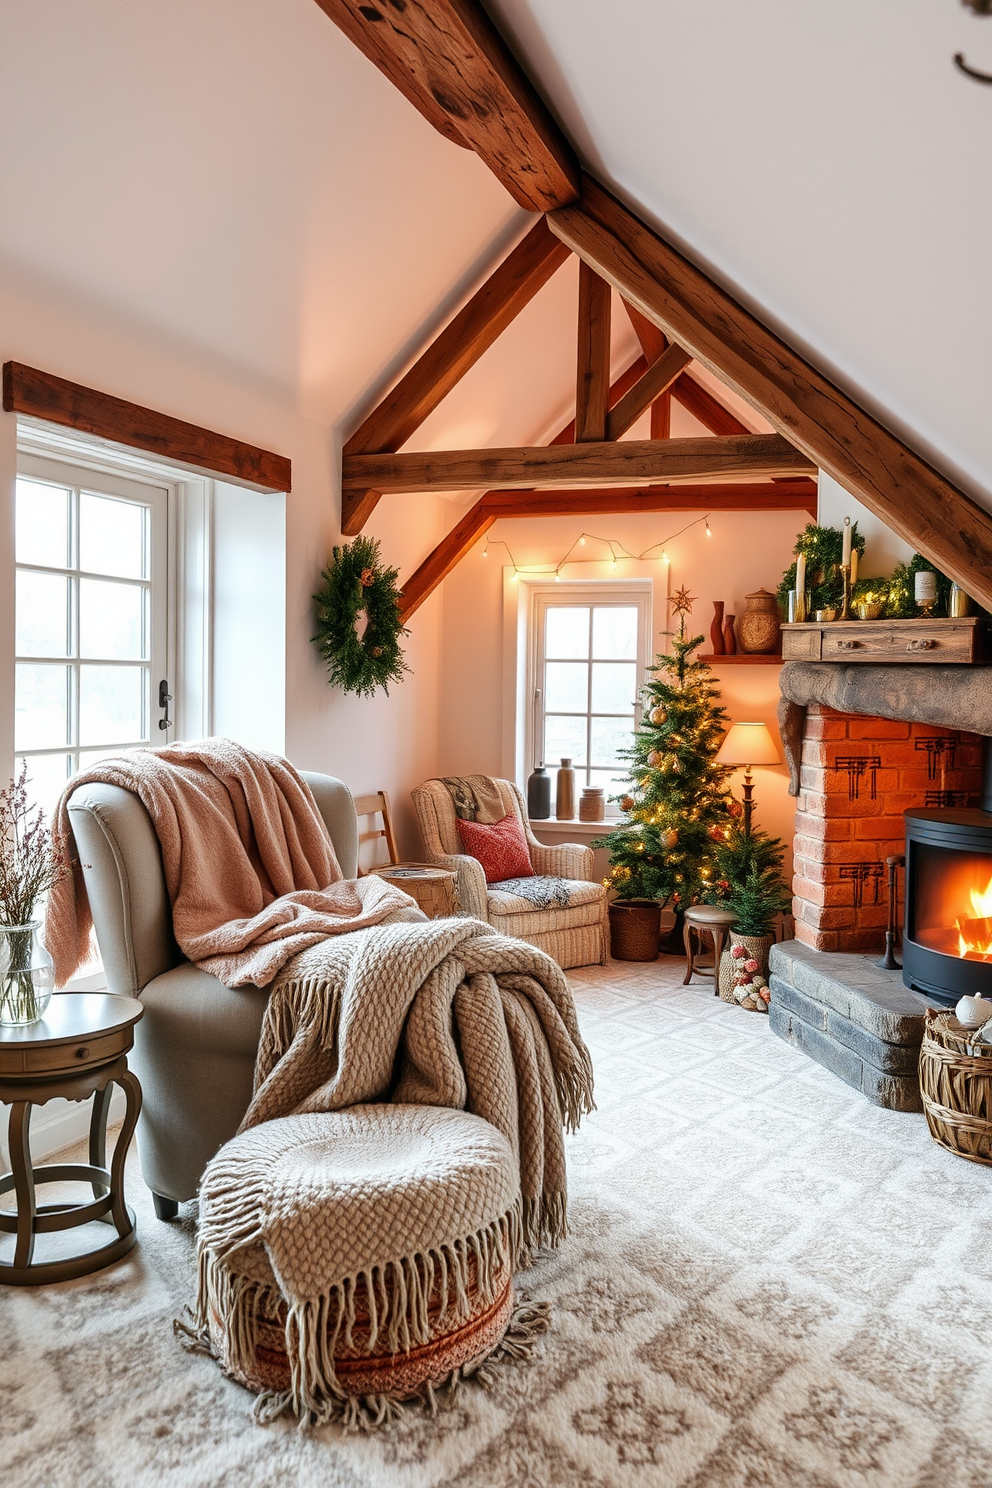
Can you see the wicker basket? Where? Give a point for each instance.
(635, 929)
(956, 1086)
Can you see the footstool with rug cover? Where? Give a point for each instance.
(351, 1260)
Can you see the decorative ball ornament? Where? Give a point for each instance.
(735, 809)
(626, 803)
(659, 716)
(356, 580)
(670, 838)
(655, 758)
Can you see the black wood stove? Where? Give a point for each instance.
(947, 936)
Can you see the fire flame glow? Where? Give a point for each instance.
(975, 933)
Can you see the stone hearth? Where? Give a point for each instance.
(858, 1021)
(865, 743)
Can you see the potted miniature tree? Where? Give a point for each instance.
(751, 883)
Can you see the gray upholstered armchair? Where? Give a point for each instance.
(195, 1047)
(574, 934)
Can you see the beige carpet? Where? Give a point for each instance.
(770, 1284)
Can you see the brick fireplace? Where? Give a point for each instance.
(857, 775)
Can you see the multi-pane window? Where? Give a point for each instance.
(90, 619)
(591, 655)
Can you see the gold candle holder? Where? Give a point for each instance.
(845, 609)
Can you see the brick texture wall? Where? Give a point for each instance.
(859, 775)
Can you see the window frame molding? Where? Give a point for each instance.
(521, 593)
(189, 558)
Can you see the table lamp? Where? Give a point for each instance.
(748, 744)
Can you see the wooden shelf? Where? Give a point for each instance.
(744, 659)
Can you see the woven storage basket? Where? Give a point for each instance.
(635, 929)
(956, 1086)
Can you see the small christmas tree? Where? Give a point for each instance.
(678, 808)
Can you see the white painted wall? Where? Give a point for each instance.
(883, 549)
(248, 551)
(747, 550)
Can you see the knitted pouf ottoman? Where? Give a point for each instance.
(354, 1259)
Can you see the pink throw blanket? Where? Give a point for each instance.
(249, 867)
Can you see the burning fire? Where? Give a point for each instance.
(975, 932)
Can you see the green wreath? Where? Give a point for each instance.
(356, 580)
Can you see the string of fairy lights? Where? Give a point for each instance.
(618, 553)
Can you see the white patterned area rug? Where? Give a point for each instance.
(770, 1284)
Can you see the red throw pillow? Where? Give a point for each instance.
(500, 847)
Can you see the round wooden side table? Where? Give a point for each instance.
(77, 1050)
(706, 919)
(433, 888)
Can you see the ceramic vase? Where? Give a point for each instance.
(716, 628)
(539, 794)
(760, 625)
(565, 792)
(27, 975)
(729, 638)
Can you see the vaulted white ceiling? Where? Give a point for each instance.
(234, 181)
(826, 160)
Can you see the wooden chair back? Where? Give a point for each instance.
(377, 804)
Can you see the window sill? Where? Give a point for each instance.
(573, 827)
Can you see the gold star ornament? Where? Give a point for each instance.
(683, 602)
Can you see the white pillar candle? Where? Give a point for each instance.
(801, 573)
(847, 541)
(925, 586)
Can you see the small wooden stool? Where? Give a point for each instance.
(433, 888)
(707, 919)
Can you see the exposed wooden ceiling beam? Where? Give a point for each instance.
(592, 373)
(699, 401)
(656, 381)
(787, 496)
(446, 556)
(780, 496)
(45, 396)
(511, 286)
(620, 463)
(916, 501)
(452, 548)
(448, 59)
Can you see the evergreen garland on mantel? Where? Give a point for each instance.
(356, 580)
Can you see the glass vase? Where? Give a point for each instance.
(27, 975)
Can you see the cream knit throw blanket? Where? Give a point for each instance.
(446, 1013)
(355, 1221)
(443, 1013)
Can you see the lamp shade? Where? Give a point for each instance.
(749, 744)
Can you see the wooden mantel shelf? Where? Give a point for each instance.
(743, 658)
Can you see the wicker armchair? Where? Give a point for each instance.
(574, 934)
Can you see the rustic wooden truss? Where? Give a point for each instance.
(447, 57)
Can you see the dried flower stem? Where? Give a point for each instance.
(32, 858)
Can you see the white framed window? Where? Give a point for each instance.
(91, 617)
(589, 645)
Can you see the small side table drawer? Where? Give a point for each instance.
(63, 1058)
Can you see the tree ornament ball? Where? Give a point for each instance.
(659, 715)
(670, 838)
(655, 758)
(626, 803)
(735, 809)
